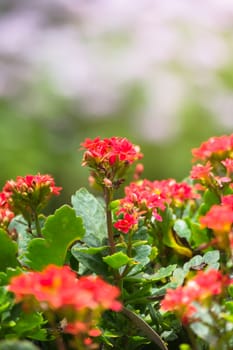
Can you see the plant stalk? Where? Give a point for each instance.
(108, 198)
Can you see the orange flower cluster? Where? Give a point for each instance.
(109, 158)
(80, 301)
(28, 194)
(200, 289)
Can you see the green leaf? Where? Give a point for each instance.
(91, 250)
(145, 328)
(201, 330)
(24, 237)
(142, 254)
(178, 276)
(170, 240)
(17, 345)
(230, 290)
(182, 229)
(141, 258)
(92, 262)
(211, 258)
(161, 273)
(93, 214)
(61, 230)
(229, 306)
(5, 300)
(196, 261)
(211, 198)
(199, 235)
(10, 272)
(117, 260)
(9, 248)
(28, 324)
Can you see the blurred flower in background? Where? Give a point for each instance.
(157, 71)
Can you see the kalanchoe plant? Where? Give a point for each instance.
(28, 196)
(150, 270)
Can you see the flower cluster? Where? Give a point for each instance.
(200, 289)
(145, 199)
(6, 215)
(216, 148)
(220, 220)
(109, 158)
(214, 173)
(79, 300)
(215, 167)
(28, 195)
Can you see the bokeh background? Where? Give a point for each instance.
(159, 72)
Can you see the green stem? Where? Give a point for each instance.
(129, 253)
(108, 198)
(60, 343)
(192, 338)
(145, 328)
(37, 223)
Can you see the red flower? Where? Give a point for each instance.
(109, 158)
(29, 194)
(54, 286)
(103, 294)
(57, 287)
(227, 200)
(179, 301)
(31, 183)
(207, 283)
(110, 150)
(218, 147)
(219, 218)
(127, 223)
(199, 289)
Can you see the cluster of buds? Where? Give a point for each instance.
(28, 195)
(109, 159)
(77, 302)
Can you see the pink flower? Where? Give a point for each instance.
(228, 164)
(201, 172)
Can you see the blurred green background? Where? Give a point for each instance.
(158, 73)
